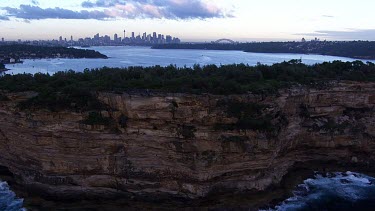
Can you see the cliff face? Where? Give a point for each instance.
(186, 145)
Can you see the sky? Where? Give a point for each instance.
(190, 20)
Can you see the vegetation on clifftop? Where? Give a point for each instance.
(75, 89)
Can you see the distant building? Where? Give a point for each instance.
(144, 36)
(303, 40)
(107, 38)
(96, 37)
(134, 38)
(2, 39)
(168, 39)
(176, 40)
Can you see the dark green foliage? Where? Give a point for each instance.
(3, 98)
(249, 115)
(69, 98)
(95, 118)
(354, 49)
(2, 66)
(332, 126)
(123, 121)
(304, 111)
(35, 52)
(187, 132)
(174, 104)
(239, 139)
(226, 79)
(76, 89)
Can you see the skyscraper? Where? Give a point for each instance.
(133, 35)
(115, 38)
(168, 39)
(96, 37)
(144, 36)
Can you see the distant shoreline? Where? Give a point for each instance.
(363, 50)
(18, 52)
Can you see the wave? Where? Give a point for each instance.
(9, 200)
(204, 59)
(332, 191)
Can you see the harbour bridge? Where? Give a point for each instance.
(225, 41)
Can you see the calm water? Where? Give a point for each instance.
(144, 56)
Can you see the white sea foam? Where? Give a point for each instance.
(57, 63)
(8, 199)
(325, 190)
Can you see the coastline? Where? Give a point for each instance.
(307, 54)
(246, 200)
(4, 70)
(354, 49)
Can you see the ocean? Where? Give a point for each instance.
(333, 191)
(126, 56)
(9, 200)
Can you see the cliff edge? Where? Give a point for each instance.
(184, 145)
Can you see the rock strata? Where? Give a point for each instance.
(183, 145)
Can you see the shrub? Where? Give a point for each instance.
(187, 132)
(66, 88)
(249, 116)
(95, 118)
(123, 121)
(3, 98)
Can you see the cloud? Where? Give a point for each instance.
(29, 12)
(328, 16)
(34, 2)
(352, 34)
(127, 9)
(3, 18)
(169, 9)
(101, 3)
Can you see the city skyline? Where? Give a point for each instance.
(193, 20)
(119, 35)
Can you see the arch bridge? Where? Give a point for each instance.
(225, 41)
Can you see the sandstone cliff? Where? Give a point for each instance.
(186, 145)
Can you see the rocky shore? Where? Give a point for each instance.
(191, 148)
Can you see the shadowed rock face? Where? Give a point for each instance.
(186, 145)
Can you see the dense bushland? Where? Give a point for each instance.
(75, 89)
(352, 49)
(38, 52)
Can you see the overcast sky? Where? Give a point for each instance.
(191, 20)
